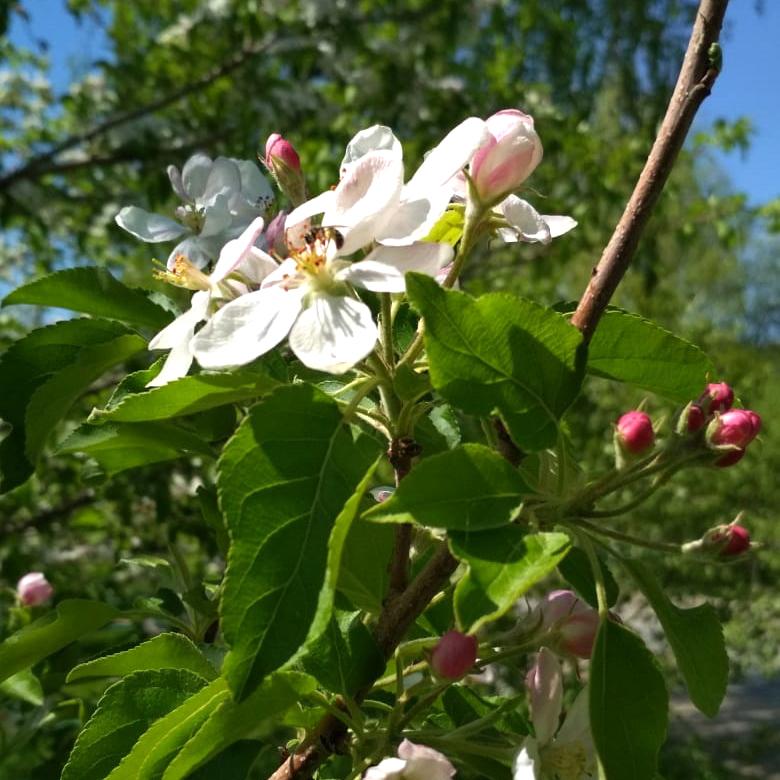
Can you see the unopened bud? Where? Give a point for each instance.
(454, 655)
(33, 589)
(382, 493)
(283, 162)
(732, 432)
(571, 625)
(695, 418)
(544, 683)
(508, 157)
(634, 432)
(723, 541)
(717, 397)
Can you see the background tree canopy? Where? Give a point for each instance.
(219, 76)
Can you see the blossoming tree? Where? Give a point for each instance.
(327, 352)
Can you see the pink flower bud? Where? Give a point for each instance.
(571, 624)
(727, 541)
(454, 655)
(508, 157)
(382, 493)
(544, 683)
(717, 397)
(414, 762)
(695, 418)
(735, 428)
(279, 148)
(635, 432)
(33, 589)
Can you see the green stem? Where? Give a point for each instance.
(386, 323)
(598, 576)
(591, 528)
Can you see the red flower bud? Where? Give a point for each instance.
(719, 395)
(635, 432)
(695, 418)
(454, 655)
(571, 624)
(728, 541)
(33, 589)
(280, 148)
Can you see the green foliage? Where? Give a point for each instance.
(628, 704)
(696, 637)
(283, 480)
(499, 353)
(470, 488)
(503, 564)
(71, 620)
(575, 568)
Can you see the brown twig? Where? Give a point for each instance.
(699, 70)
(696, 78)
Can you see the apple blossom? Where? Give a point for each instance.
(34, 589)
(717, 397)
(570, 624)
(283, 162)
(414, 762)
(454, 655)
(220, 199)
(634, 432)
(732, 432)
(723, 541)
(310, 295)
(562, 752)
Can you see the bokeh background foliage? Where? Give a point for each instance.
(177, 76)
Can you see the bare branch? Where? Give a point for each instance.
(698, 73)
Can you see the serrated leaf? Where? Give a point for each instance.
(127, 709)
(50, 402)
(363, 575)
(500, 353)
(164, 651)
(117, 447)
(68, 621)
(187, 395)
(23, 685)
(91, 291)
(284, 478)
(575, 568)
(470, 488)
(628, 348)
(503, 565)
(29, 363)
(696, 637)
(231, 722)
(156, 748)
(628, 704)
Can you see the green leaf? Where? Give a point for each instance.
(503, 565)
(628, 704)
(363, 576)
(470, 488)
(70, 620)
(345, 657)
(158, 745)
(234, 762)
(628, 348)
(188, 395)
(26, 366)
(51, 401)
(129, 445)
(283, 481)
(164, 651)
(92, 291)
(231, 722)
(498, 352)
(696, 637)
(23, 685)
(576, 570)
(127, 709)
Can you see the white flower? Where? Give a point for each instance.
(554, 753)
(310, 295)
(220, 197)
(238, 257)
(414, 762)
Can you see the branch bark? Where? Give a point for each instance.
(699, 70)
(698, 74)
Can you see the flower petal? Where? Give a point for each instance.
(333, 333)
(527, 765)
(371, 139)
(217, 217)
(384, 268)
(235, 251)
(317, 205)
(195, 174)
(365, 198)
(414, 219)
(545, 686)
(149, 227)
(387, 769)
(254, 186)
(576, 724)
(247, 327)
(450, 156)
(224, 179)
(424, 763)
(526, 223)
(198, 250)
(559, 224)
(174, 174)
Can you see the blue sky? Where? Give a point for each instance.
(748, 85)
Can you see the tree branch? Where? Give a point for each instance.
(699, 70)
